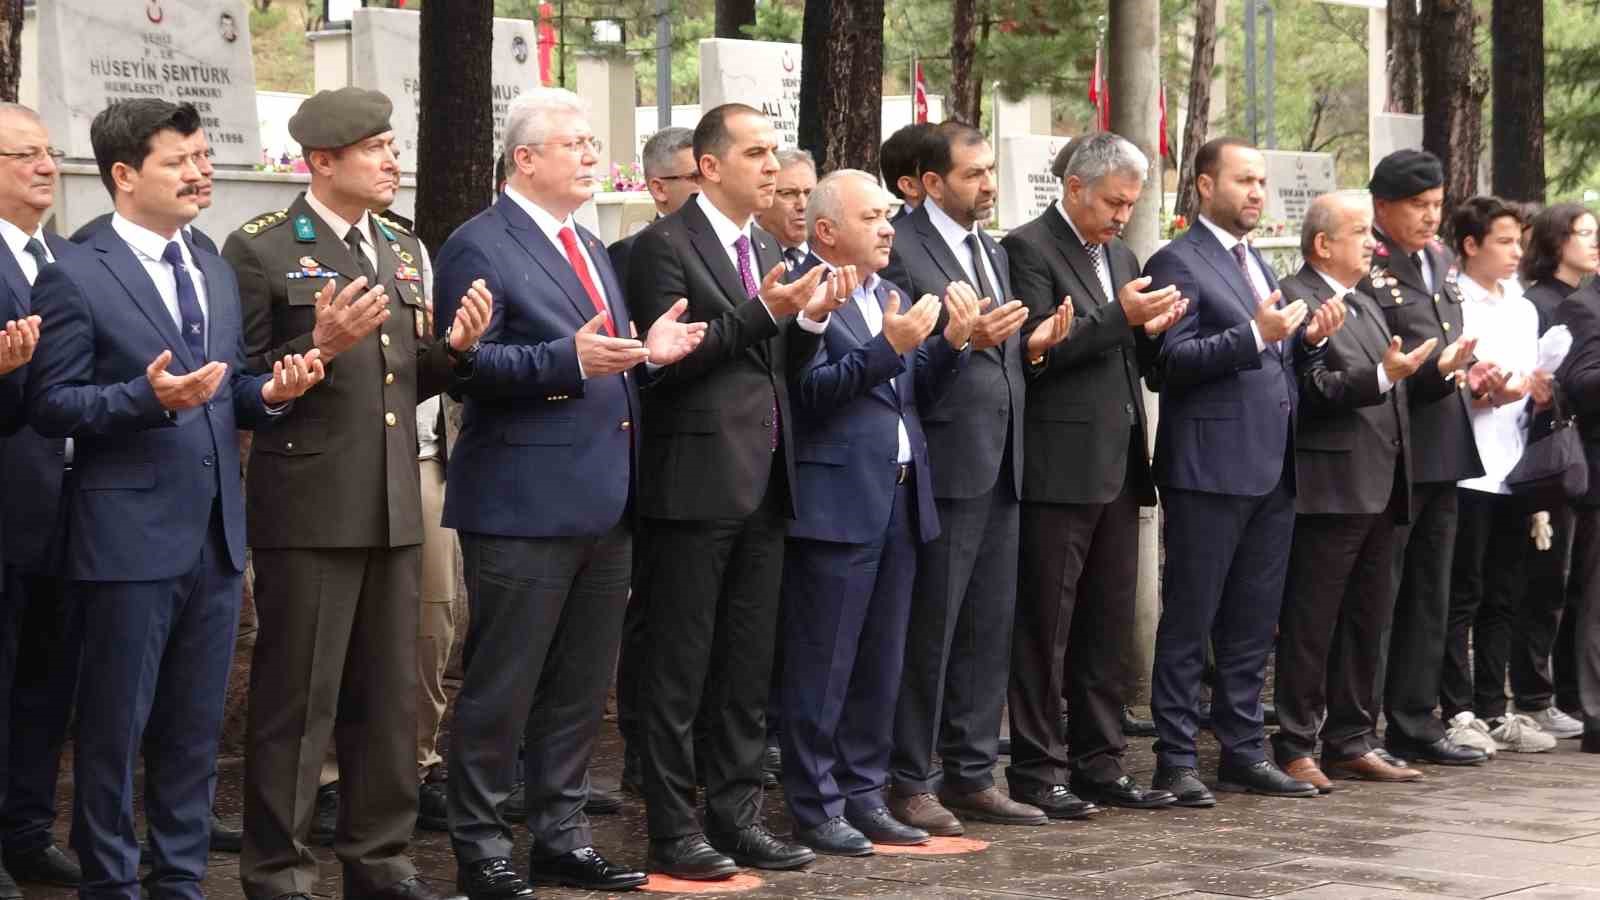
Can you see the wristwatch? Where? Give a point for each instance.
(463, 360)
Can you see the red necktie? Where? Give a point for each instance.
(569, 240)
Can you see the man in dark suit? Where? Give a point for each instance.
(1353, 487)
(953, 684)
(155, 523)
(671, 176)
(714, 494)
(899, 162)
(1408, 279)
(1086, 472)
(1225, 463)
(336, 508)
(867, 505)
(38, 655)
(548, 425)
(1579, 377)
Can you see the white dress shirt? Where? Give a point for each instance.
(17, 241)
(1105, 258)
(866, 301)
(1341, 292)
(148, 247)
(955, 237)
(1507, 328)
(1258, 278)
(728, 233)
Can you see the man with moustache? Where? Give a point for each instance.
(142, 363)
(335, 508)
(714, 494)
(1419, 303)
(1224, 461)
(197, 237)
(1353, 455)
(785, 219)
(953, 683)
(671, 177)
(851, 556)
(1086, 472)
(38, 653)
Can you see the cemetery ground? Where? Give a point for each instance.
(1524, 826)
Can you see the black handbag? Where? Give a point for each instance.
(1553, 469)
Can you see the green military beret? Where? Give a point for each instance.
(333, 119)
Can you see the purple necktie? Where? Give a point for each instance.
(747, 275)
(1239, 254)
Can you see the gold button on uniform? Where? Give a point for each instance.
(1446, 325)
(384, 339)
(625, 425)
(389, 378)
(389, 419)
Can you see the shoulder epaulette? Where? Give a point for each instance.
(390, 224)
(265, 222)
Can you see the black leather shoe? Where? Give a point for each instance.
(1133, 726)
(413, 888)
(1263, 777)
(602, 803)
(325, 821)
(1055, 800)
(1442, 752)
(491, 879)
(835, 837)
(433, 804)
(585, 869)
(46, 865)
(1184, 784)
(690, 857)
(757, 847)
(225, 838)
(8, 886)
(881, 827)
(1124, 792)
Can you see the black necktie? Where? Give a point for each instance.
(985, 289)
(353, 238)
(193, 325)
(1416, 260)
(1098, 260)
(37, 251)
(792, 257)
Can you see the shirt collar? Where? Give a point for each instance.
(727, 230)
(146, 242)
(1062, 209)
(1227, 239)
(1471, 290)
(17, 240)
(868, 288)
(952, 233)
(549, 224)
(339, 225)
(1339, 290)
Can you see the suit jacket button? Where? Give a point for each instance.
(288, 445)
(1283, 404)
(389, 378)
(389, 419)
(1446, 325)
(383, 339)
(625, 425)
(767, 422)
(1394, 441)
(208, 461)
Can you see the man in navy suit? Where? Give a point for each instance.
(155, 510)
(867, 503)
(1224, 461)
(540, 488)
(196, 237)
(38, 658)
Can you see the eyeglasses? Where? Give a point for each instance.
(687, 176)
(35, 154)
(579, 145)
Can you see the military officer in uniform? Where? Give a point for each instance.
(335, 509)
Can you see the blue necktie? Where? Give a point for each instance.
(194, 321)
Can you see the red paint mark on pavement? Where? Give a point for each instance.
(666, 884)
(937, 846)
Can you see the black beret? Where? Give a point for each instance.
(332, 119)
(1405, 173)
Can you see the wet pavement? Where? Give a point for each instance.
(1524, 826)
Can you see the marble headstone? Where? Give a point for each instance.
(1026, 186)
(1293, 181)
(763, 74)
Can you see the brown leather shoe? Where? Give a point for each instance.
(1370, 767)
(1305, 769)
(926, 812)
(990, 805)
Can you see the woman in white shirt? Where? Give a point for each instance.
(1487, 586)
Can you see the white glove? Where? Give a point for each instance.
(1542, 532)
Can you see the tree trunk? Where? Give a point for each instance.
(455, 119)
(733, 15)
(1518, 102)
(10, 48)
(1453, 88)
(964, 86)
(843, 80)
(1405, 57)
(1199, 120)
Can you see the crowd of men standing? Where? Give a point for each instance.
(831, 488)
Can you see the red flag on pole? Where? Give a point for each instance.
(919, 97)
(1099, 94)
(547, 42)
(1166, 150)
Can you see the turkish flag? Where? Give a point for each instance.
(1099, 95)
(1166, 150)
(547, 42)
(919, 98)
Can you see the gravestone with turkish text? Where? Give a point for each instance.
(763, 74)
(1026, 186)
(1293, 181)
(93, 53)
(385, 57)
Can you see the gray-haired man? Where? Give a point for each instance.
(785, 219)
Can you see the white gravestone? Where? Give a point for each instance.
(384, 57)
(763, 74)
(93, 53)
(1026, 186)
(1293, 181)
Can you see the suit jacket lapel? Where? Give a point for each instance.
(521, 228)
(329, 250)
(704, 240)
(1377, 341)
(1077, 259)
(120, 259)
(217, 306)
(1225, 264)
(1399, 264)
(21, 291)
(614, 298)
(934, 244)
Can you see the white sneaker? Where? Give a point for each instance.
(1470, 731)
(1518, 734)
(1555, 723)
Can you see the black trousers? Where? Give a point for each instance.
(1338, 602)
(1423, 552)
(1486, 594)
(1584, 586)
(39, 652)
(712, 619)
(1535, 660)
(546, 616)
(1077, 574)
